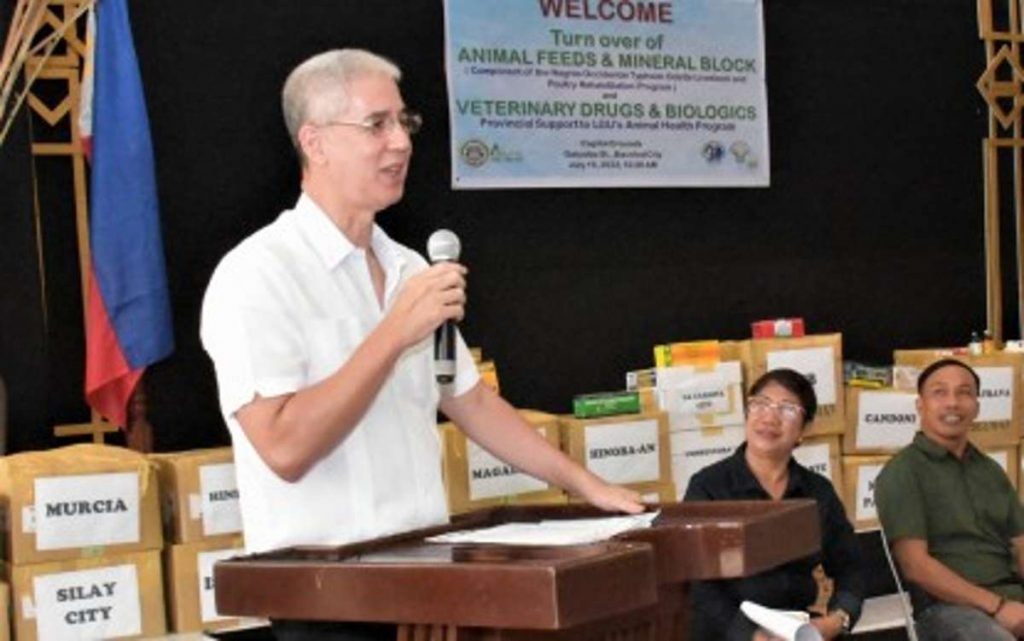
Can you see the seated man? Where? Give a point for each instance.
(955, 523)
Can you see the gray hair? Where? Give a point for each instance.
(317, 89)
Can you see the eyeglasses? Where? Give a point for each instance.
(786, 410)
(380, 125)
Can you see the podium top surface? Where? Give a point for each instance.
(405, 579)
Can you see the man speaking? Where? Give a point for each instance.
(320, 328)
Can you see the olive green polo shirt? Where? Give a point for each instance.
(965, 509)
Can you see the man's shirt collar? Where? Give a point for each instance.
(332, 246)
(936, 451)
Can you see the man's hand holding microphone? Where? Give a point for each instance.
(433, 300)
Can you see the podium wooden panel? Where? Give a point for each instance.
(633, 587)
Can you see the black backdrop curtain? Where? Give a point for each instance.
(872, 225)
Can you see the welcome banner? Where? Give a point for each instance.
(606, 93)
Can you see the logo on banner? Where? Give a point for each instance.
(713, 151)
(742, 153)
(476, 153)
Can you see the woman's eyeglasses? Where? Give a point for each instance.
(760, 405)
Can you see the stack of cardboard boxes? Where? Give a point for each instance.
(690, 413)
(84, 534)
(202, 524)
(701, 388)
(83, 540)
(674, 419)
(883, 421)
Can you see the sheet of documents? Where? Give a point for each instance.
(553, 532)
(786, 624)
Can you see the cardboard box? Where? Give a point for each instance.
(658, 493)
(77, 501)
(629, 450)
(701, 353)
(639, 381)
(199, 494)
(650, 493)
(96, 598)
(999, 416)
(189, 584)
(1008, 458)
(474, 478)
(489, 375)
(821, 454)
(5, 611)
(879, 421)
(908, 363)
(693, 450)
(777, 328)
(1020, 471)
(859, 474)
(818, 357)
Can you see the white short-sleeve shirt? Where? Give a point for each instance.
(284, 310)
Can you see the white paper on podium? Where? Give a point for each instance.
(552, 532)
(786, 624)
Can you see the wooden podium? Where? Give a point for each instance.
(630, 588)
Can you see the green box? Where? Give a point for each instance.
(606, 404)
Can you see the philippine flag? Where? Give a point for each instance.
(128, 314)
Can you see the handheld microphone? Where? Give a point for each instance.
(444, 246)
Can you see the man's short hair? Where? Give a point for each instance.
(317, 89)
(945, 362)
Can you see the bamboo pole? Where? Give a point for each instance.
(18, 49)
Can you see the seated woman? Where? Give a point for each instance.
(781, 404)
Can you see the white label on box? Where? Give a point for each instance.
(694, 450)
(219, 489)
(88, 604)
(693, 398)
(623, 452)
(1002, 458)
(207, 602)
(708, 394)
(866, 475)
(688, 391)
(815, 457)
(996, 394)
(886, 420)
(816, 363)
(86, 510)
(489, 476)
